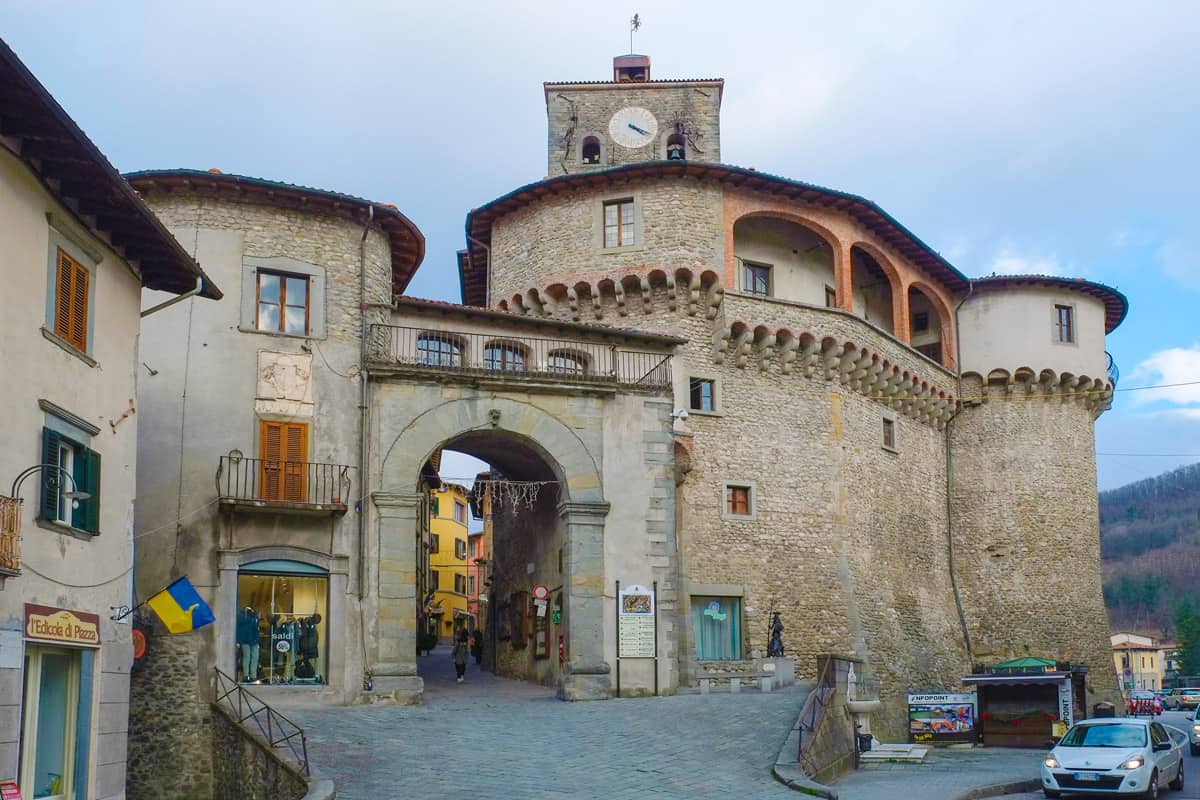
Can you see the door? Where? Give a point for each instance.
(1167, 760)
(51, 710)
(283, 449)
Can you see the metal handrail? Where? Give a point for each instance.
(277, 481)
(1114, 374)
(812, 715)
(279, 731)
(501, 355)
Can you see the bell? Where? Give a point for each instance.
(675, 152)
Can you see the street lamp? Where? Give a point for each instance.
(74, 495)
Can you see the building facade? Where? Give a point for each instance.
(914, 475)
(448, 560)
(1142, 662)
(79, 246)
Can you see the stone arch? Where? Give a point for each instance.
(591, 150)
(945, 319)
(899, 303)
(825, 234)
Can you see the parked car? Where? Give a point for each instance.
(1189, 697)
(1164, 697)
(1194, 734)
(1143, 702)
(1112, 755)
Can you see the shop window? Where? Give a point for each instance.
(61, 501)
(282, 303)
(57, 723)
(716, 624)
(282, 625)
(438, 350)
(703, 394)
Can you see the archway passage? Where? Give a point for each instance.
(542, 492)
(925, 325)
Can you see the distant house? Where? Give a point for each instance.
(1142, 662)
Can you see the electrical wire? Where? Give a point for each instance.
(1151, 455)
(26, 566)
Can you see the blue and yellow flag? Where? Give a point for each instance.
(180, 607)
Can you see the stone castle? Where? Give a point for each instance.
(750, 393)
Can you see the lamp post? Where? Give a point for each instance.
(74, 495)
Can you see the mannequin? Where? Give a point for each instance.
(247, 642)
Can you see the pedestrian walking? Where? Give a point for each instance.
(477, 646)
(459, 654)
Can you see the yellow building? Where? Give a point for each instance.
(1141, 661)
(448, 559)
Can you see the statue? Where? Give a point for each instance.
(775, 648)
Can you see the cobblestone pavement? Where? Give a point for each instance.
(495, 738)
(944, 775)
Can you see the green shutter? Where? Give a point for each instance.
(91, 484)
(50, 477)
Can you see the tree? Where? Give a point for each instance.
(1187, 636)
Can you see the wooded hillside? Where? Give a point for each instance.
(1150, 541)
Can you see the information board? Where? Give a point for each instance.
(635, 629)
(941, 718)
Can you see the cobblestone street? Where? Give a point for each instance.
(497, 738)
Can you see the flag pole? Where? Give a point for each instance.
(121, 612)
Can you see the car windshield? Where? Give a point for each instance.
(1107, 735)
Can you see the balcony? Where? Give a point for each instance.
(290, 487)
(501, 357)
(10, 537)
(1114, 374)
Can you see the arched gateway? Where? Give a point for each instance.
(596, 440)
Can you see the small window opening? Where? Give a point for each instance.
(591, 150)
(920, 322)
(676, 149)
(1064, 323)
(889, 434)
(830, 297)
(756, 279)
(737, 500)
(703, 394)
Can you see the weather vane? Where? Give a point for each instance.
(634, 24)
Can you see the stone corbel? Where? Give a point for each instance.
(741, 347)
(573, 300)
(715, 297)
(646, 294)
(787, 354)
(720, 344)
(672, 294)
(619, 293)
(766, 348)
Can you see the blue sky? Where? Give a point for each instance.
(1012, 137)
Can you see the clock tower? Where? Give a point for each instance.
(598, 124)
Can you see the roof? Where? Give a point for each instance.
(1116, 304)
(473, 268)
(407, 241)
(36, 129)
(1028, 662)
(719, 82)
(423, 304)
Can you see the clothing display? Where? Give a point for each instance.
(280, 628)
(247, 637)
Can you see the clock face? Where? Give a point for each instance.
(633, 127)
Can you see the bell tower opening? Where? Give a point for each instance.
(631, 69)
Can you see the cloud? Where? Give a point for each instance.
(1171, 366)
(1010, 262)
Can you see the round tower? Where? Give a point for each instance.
(1023, 470)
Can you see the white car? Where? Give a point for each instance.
(1194, 734)
(1124, 755)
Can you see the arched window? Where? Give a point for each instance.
(563, 362)
(504, 357)
(591, 150)
(676, 150)
(438, 350)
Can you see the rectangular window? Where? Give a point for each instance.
(470, 584)
(282, 303)
(460, 584)
(1064, 323)
(71, 301)
(434, 542)
(283, 450)
(738, 501)
(830, 297)
(717, 626)
(78, 474)
(618, 223)
(50, 745)
(756, 278)
(460, 512)
(889, 434)
(460, 548)
(434, 582)
(703, 394)
(920, 322)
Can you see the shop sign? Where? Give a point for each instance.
(1066, 705)
(635, 634)
(941, 718)
(61, 625)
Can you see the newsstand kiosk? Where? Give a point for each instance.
(1028, 702)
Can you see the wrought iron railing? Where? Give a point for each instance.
(281, 482)
(10, 533)
(1114, 374)
(283, 735)
(518, 356)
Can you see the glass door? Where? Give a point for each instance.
(48, 740)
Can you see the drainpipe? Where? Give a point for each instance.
(177, 299)
(364, 426)
(962, 617)
(487, 298)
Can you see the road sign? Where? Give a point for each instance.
(540, 592)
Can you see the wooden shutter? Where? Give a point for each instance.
(87, 479)
(71, 301)
(50, 477)
(283, 448)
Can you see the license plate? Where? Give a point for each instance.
(1087, 776)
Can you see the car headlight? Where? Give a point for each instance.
(1196, 728)
(1051, 762)
(1133, 763)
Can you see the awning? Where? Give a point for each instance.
(1017, 680)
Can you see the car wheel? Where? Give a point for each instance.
(1151, 792)
(1195, 749)
(1052, 793)
(1177, 784)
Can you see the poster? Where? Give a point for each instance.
(941, 718)
(635, 629)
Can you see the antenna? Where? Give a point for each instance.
(634, 24)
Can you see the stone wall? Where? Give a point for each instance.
(170, 723)
(1027, 530)
(246, 768)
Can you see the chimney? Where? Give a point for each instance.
(631, 69)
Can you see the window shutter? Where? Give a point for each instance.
(296, 450)
(270, 447)
(71, 302)
(88, 513)
(50, 477)
(79, 310)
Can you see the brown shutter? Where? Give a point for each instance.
(71, 301)
(296, 452)
(283, 448)
(79, 308)
(269, 440)
(62, 309)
